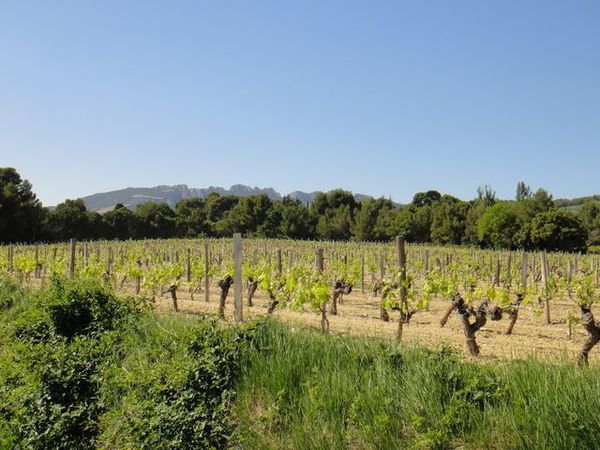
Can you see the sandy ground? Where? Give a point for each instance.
(358, 315)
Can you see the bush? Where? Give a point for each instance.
(85, 307)
(554, 231)
(186, 404)
(60, 342)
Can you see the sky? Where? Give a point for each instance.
(385, 98)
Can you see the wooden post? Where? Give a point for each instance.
(497, 277)
(362, 273)
(403, 291)
(237, 278)
(206, 268)
(279, 266)
(544, 269)
(85, 254)
(188, 263)
(109, 260)
(426, 265)
(320, 260)
(508, 275)
(72, 245)
(37, 261)
(570, 273)
(10, 258)
(383, 314)
(524, 272)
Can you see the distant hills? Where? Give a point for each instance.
(133, 196)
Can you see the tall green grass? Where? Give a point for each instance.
(304, 390)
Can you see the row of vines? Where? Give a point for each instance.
(479, 285)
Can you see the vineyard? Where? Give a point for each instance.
(487, 303)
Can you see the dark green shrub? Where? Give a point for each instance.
(85, 307)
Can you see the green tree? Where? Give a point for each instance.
(21, 213)
(335, 224)
(217, 206)
(499, 225)
(155, 220)
(120, 223)
(476, 210)
(554, 230)
(448, 220)
(69, 220)
(523, 191)
(192, 217)
(246, 216)
(365, 219)
(541, 201)
(590, 216)
(288, 218)
(426, 198)
(486, 194)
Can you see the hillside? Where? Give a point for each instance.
(133, 196)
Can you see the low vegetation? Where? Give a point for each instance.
(83, 368)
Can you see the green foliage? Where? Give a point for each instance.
(155, 220)
(498, 226)
(59, 342)
(21, 213)
(305, 390)
(85, 307)
(186, 404)
(9, 292)
(83, 369)
(426, 198)
(555, 230)
(335, 215)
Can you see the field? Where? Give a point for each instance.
(156, 269)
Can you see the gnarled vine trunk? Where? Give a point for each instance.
(324, 320)
(273, 302)
(446, 315)
(340, 289)
(513, 313)
(173, 291)
(224, 284)
(252, 286)
(593, 330)
(471, 328)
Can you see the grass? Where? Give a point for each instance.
(150, 380)
(310, 391)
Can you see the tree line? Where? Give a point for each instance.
(531, 221)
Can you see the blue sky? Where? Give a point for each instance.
(383, 98)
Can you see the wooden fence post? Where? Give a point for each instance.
(206, 269)
(188, 264)
(524, 273)
(72, 245)
(320, 260)
(403, 291)
(237, 278)
(10, 258)
(544, 269)
(279, 265)
(362, 273)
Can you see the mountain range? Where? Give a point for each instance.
(133, 196)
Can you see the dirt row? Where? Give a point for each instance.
(359, 315)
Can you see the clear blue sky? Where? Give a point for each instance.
(383, 98)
